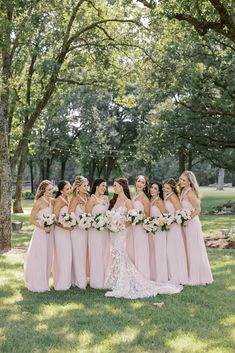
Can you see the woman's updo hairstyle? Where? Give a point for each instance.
(79, 180)
(172, 184)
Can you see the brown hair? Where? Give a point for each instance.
(172, 184)
(42, 188)
(124, 183)
(146, 188)
(79, 180)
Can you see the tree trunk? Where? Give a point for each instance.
(31, 176)
(220, 184)
(17, 205)
(5, 169)
(190, 160)
(181, 160)
(62, 170)
(92, 168)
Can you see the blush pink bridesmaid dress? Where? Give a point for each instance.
(141, 244)
(62, 262)
(98, 249)
(198, 263)
(159, 245)
(79, 254)
(176, 254)
(38, 262)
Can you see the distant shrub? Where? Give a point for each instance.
(27, 195)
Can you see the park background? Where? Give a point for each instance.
(106, 89)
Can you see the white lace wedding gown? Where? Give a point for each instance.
(123, 278)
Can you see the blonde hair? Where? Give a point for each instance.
(193, 182)
(79, 180)
(42, 188)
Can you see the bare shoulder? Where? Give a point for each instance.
(159, 202)
(128, 204)
(145, 199)
(192, 196)
(52, 201)
(174, 197)
(57, 201)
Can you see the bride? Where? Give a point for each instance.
(122, 277)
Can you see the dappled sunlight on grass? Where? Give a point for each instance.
(198, 320)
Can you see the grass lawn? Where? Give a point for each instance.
(198, 320)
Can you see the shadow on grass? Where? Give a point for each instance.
(197, 320)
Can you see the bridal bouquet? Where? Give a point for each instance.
(151, 225)
(46, 220)
(100, 221)
(68, 220)
(183, 216)
(165, 220)
(135, 217)
(116, 221)
(84, 221)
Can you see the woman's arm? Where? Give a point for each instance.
(33, 215)
(176, 202)
(146, 204)
(90, 204)
(195, 202)
(160, 204)
(73, 204)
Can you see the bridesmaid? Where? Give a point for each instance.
(98, 241)
(62, 264)
(159, 238)
(79, 236)
(176, 254)
(199, 267)
(37, 266)
(141, 241)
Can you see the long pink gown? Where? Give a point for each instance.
(160, 249)
(62, 264)
(123, 278)
(199, 267)
(79, 254)
(99, 249)
(38, 262)
(141, 244)
(176, 254)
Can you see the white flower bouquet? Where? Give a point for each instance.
(151, 225)
(100, 221)
(68, 220)
(46, 220)
(165, 221)
(135, 217)
(116, 221)
(182, 216)
(84, 221)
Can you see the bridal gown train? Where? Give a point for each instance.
(123, 278)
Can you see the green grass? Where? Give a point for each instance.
(199, 320)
